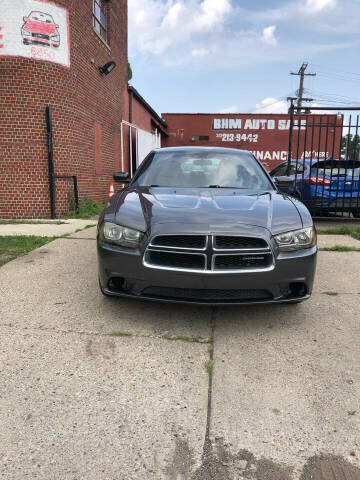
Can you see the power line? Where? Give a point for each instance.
(278, 100)
(336, 71)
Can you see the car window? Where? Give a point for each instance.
(41, 17)
(201, 169)
(297, 168)
(338, 172)
(279, 170)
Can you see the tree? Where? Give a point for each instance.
(130, 74)
(350, 147)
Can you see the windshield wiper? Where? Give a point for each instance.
(259, 194)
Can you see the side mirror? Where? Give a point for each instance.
(56, 26)
(122, 177)
(285, 184)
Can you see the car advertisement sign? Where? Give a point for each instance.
(35, 29)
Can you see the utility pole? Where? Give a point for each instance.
(301, 73)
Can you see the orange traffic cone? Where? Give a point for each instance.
(111, 190)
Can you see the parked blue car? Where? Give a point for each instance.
(325, 185)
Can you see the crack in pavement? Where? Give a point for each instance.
(219, 463)
(197, 340)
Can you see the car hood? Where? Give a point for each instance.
(203, 210)
(37, 26)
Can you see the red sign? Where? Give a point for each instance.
(265, 135)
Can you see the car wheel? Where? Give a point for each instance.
(102, 291)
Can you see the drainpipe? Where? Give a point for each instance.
(50, 161)
(131, 106)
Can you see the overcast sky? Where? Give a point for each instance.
(236, 55)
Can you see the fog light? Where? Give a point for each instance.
(116, 284)
(298, 289)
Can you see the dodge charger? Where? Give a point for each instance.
(207, 226)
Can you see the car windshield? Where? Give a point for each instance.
(41, 17)
(201, 169)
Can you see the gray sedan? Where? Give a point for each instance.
(206, 226)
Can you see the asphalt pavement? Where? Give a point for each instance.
(111, 389)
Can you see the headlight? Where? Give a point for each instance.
(126, 237)
(296, 240)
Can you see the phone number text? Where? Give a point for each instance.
(238, 137)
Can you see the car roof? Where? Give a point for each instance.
(200, 149)
(42, 14)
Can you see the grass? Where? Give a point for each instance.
(120, 334)
(331, 294)
(184, 338)
(14, 221)
(87, 209)
(209, 366)
(340, 248)
(13, 246)
(353, 231)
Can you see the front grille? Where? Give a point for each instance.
(176, 260)
(206, 294)
(242, 262)
(238, 243)
(40, 35)
(180, 241)
(202, 253)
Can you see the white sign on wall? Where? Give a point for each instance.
(35, 29)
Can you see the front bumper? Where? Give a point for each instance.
(122, 273)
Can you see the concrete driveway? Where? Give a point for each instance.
(110, 389)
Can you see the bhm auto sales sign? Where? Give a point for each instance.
(35, 29)
(267, 136)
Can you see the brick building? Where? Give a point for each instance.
(50, 54)
(142, 130)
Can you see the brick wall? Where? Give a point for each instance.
(83, 102)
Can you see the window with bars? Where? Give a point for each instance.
(99, 18)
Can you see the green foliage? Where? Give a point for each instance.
(87, 209)
(340, 248)
(120, 334)
(14, 221)
(353, 231)
(15, 245)
(350, 147)
(209, 366)
(130, 73)
(185, 338)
